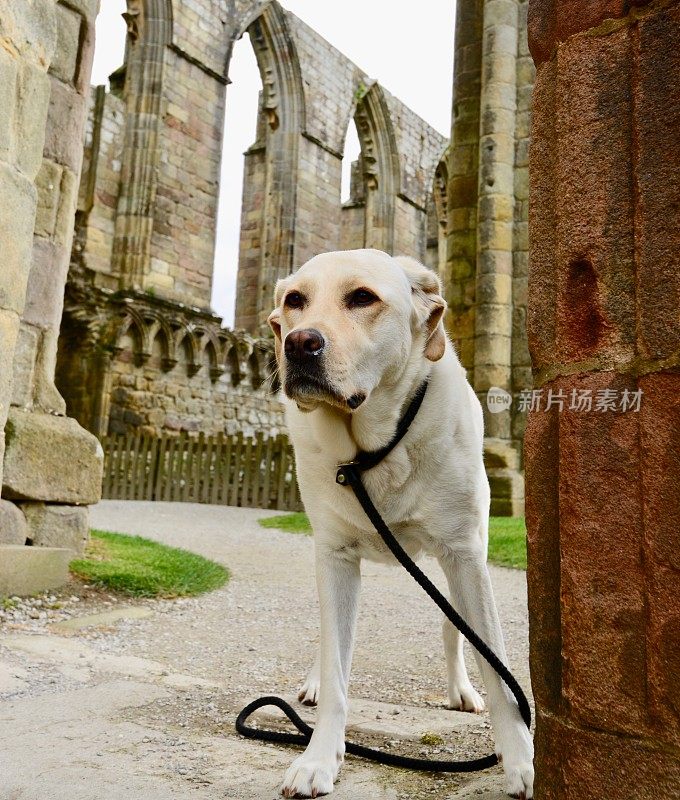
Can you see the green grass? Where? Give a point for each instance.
(291, 523)
(507, 536)
(142, 568)
(508, 542)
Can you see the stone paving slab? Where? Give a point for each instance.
(380, 719)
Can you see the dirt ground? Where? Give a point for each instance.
(107, 697)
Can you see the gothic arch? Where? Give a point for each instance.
(275, 157)
(211, 348)
(280, 71)
(132, 324)
(185, 339)
(380, 165)
(230, 362)
(161, 333)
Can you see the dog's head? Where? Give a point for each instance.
(347, 322)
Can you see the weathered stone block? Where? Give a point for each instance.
(657, 121)
(8, 88)
(17, 213)
(31, 113)
(44, 294)
(660, 439)
(550, 24)
(571, 757)
(57, 525)
(595, 253)
(13, 525)
(9, 329)
(65, 60)
(497, 425)
(28, 570)
(500, 454)
(490, 375)
(25, 355)
(602, 571)
(493, 350)
(542, 220)
(31, 28)
(51, 458)
(541, 454)
(47, 183)
(494, 318)
(64, 131)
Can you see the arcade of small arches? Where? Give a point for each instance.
(150, 340)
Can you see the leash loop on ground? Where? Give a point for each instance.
(349, 475)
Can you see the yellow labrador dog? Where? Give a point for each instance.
(357, 332)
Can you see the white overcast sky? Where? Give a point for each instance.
(409, 52)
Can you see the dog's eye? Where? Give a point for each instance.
(294, 300)
(361, 298)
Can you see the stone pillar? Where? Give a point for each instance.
(51, 466)
(603, 506)
(493, 317)
(57, 184)
(485, 266)
(494, 241)
(27, 42)
(458, 277)
(149, 25)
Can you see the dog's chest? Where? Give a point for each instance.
(336, 513)
(369, 544)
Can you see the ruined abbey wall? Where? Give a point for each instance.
(51, 467)
(140, 346)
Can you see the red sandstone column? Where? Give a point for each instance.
(603, 487)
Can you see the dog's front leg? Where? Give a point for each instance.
(338, 580)
(470, 587)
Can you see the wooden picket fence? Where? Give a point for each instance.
(256, 472)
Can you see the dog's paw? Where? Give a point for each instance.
(517, 760)
(309, 691)
(309, 778)
(519, 780)
(464, 697)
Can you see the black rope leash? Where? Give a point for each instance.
(350, 475)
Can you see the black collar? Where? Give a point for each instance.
(367, 460)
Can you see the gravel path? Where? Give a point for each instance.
(191, 664)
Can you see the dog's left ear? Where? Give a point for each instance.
(428, 304)
(274, 318)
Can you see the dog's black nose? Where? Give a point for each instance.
(300, 345)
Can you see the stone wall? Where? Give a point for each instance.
(147, 206)
(603, 507)
(51, 468)
(485, 273)
(163, 368)
(158, 401)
